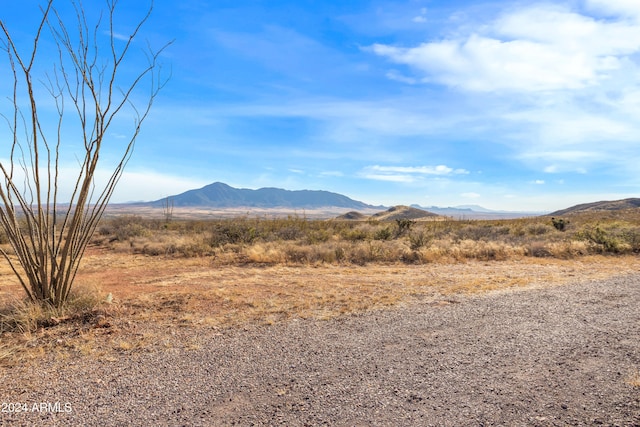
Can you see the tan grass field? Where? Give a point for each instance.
(162, 301)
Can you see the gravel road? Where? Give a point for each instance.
(551, 356)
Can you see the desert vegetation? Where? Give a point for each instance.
(298, 240)
(142, 277)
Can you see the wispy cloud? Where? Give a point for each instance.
(421, 170)
(408, 174)
(119, 36)
(331, 174)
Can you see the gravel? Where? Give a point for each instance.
(551, 356)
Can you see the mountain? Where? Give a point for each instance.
(220, 195)
(605, 205)
(475, 208)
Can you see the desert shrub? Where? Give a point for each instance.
(418, 239)
(411, 257)
(232, 232)
(633, 238)
(383, 234)
(340, 254)
(404, 226)
(605, 241)
(559, 223)
(354, 234)
(538, 229)
(289, 233)
(124, 227)
(155, 249)
(538, 249)
(318, 236)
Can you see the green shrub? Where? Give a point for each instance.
(383, 234)
(605, 241)
(404, 226)
(355, 234)
(559, 223)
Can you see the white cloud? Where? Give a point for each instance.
(624, 8)
(390, 178)
(539, 182)
(119, 36)
(539, 48)
(422, 170)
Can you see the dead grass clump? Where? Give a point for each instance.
(634, 379)
(306, 254)
(537, 229)
(485, 251)
(266, 253)
(24, 316)
(433, 253)
(28, 328)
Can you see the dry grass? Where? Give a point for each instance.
(634, 379)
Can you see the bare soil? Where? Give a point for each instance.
(531, 343)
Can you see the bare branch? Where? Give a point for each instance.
(49, 238)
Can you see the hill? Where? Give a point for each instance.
(220, 195)
(402, 212)
(352, 216)
(606, 205)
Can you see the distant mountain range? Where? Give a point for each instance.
(474, 212)
(606, 205)
(223, 197)
(220, 195)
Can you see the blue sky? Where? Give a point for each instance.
(510, 105)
